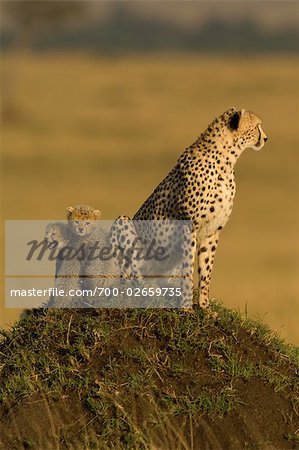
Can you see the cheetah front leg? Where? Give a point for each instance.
(206, 253)
(188, 269)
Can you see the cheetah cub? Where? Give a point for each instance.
(82, 229)
(82, 221)
(57, 235)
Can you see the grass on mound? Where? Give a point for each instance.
(137, 372)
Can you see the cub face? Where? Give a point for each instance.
(246, 129)
(82, 219)
(55, 236)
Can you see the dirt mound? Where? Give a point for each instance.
(147, 379)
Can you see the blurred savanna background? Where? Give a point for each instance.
(99, 99)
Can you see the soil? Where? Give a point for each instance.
(263, 415)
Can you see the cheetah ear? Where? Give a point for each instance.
(234, 121)
(69, 211)
(97, 214)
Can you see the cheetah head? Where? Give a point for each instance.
(82, 219)
(54, 237)
(246, 129)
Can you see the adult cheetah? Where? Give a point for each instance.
(201, 187)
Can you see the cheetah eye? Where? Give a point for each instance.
(87, 223)
(76, 222)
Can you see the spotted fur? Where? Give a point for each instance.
(201, 187)
(82, 224)
(57, 235)
(82, 219)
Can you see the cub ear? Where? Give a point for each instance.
(97, 214)
(69, 211)
(234, 121)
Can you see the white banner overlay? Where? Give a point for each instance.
(100, 264)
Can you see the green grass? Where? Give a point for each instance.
(293, 437)
(48, 351)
